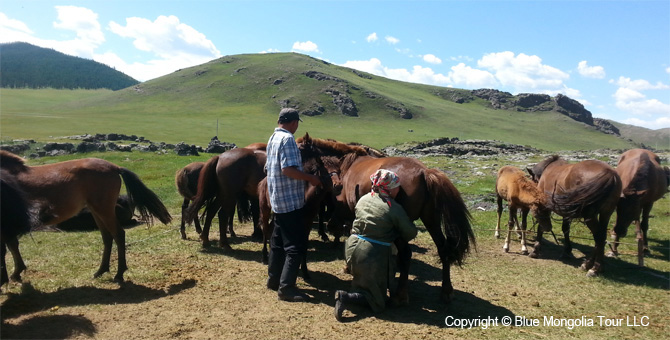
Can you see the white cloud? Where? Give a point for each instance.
(12, 25)
(667, 70)
(306, 46)
(597, 72)
(432, 59)
(523, 73)
(418, 74)
(462, 75)
(659, 123)
(639, 84)
(391, 40)
(372, 37)
(270, 50)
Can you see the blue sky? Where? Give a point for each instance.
(612, 56)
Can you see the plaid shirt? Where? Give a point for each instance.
(286, 194)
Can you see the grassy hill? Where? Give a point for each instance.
(27, 66)
(244, 93)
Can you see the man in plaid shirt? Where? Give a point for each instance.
(286, 186)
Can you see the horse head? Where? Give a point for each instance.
(11, 162)
(538, 169)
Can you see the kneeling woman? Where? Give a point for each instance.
(370, 252)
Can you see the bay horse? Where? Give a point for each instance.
(425, 193)
(15, 220)
(314, 197)
(186, 181)
(588, 190)
(61, 190)
(644, 181)
(225, 179)
(522, 194)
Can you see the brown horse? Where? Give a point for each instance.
(425, 193)
(644, 181)
(223, 181)
(61, 190)
(314, 197)
(186, 181)
(14, 221)
(587, 190)
(521, 193)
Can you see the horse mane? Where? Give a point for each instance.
(347, 161)
(538, 169)
(333, 147)
(12, 163)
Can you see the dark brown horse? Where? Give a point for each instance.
(61, 190)
(425, 193)
(314, 197)
(186, 181)
(521, 193)
(588, 190)
(644, 182)
(223, 181)
(14, 221)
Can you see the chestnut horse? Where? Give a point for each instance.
(14, 221)
(424, 193)
(224, 180)
(61, 190)
(588, 190)
(521, 193)
(314, 197)
(644, 181)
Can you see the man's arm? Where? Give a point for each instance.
(293, 172)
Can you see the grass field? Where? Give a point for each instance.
(176, 289)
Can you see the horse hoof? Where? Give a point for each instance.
(119, 280)
(506, 250)
(16, 278)
(611, 254)
(524, 252)
(586, 267)
(591, 273)
(534, 255)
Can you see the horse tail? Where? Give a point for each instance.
(207, 190)
(146, 201)
(585, 200)
(15, 219)
(452, 214)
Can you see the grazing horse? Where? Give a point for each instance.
(186, 181)
(424, 193)
(587, 190)
(644, 181)
(61, 190)
(225, 179)
(314, 197)
(14, 221)
(521, 193)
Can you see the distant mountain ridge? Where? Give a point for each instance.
(23, 65)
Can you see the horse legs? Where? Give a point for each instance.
(500, 211)
(537, 246)
(3, 266)
(223, 222)
(645, 225)
(182, 227)
(211, 212)
(435, 231)
(19, 266)
(400, 292)
(599, 229)
(255, 217)
(510, 225)
(107, 240)
(524, 225)
(230, 225)
(567, 248)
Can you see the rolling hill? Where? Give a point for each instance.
(27, 66)
(238, 98)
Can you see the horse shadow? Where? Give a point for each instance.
(58, 326)
(615, 269)
(30, 300)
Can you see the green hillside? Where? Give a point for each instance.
(26, 66)
(244, 93)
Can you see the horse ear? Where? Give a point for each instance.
(532, 174)
(307, 138)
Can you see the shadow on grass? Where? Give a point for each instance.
(31, 300)
(614, 269)
(50, 327)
